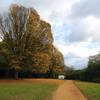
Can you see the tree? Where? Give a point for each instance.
(3, 59)
(26, 38)
(41, 62)
(20, 31)
(93, 68)
(57, 66)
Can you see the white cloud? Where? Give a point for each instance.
(80, 49)
(93, 27)
(86, 8)
(54, 11)
(76, 54)
(4, 5)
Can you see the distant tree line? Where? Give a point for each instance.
(26, 49)
(91, 73)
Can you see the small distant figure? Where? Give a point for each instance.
(62, 77)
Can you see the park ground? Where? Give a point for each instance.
(48, 89)
(90, 90)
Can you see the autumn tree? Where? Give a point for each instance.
(57, 63)
(21, 30)
(41, 62)
(28, 41)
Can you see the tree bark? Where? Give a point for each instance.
(16, 75)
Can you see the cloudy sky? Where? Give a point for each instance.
(75, 26)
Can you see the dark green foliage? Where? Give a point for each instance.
(91, 73)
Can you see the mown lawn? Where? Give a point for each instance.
(90, 90)
(26, 91)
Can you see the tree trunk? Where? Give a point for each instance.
(50, 72)
(16, 75)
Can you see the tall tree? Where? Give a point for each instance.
(57, 66)
(21, 30)
(41, 62)
(26, 38)
(93, 69)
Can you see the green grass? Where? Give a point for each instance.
(22, 91)
(90, 90)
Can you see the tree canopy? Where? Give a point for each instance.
(27, 42)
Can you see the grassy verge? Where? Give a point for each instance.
(28, 91)
(90, 90)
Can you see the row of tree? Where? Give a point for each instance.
(27, 43)
(90, 73)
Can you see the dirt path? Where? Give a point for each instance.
(68, 91)
(52, 81)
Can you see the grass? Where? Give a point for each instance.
(28, 91)
(90, 90)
